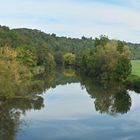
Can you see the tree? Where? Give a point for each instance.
(59, 58)
(69, 59)
(41, 54)
(49, 62)
(123, 68)
(26, 57)
(102, 41)
(107, 62)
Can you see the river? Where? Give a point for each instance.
(74, 108)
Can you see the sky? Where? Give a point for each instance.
(118, 19)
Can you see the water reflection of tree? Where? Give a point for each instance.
(134, 84)
(111, 98)
(64, 76)
(12, 107)
(26, 99)
(10, 112)
(113, 104)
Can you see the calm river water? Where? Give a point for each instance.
(75, 108)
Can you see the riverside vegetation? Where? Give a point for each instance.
(26, 54)
(108, 98)
(31, 62)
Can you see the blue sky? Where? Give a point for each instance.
(118, 19)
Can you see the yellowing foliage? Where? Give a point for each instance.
(69, 59)
(7, 52)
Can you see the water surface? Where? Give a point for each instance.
(74, 108)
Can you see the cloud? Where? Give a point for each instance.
(75, 18)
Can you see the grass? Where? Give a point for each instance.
(133, 81)
(135, 75)
(136, 67)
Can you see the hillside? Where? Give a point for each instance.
(32, 39)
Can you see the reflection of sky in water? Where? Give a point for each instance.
(69, 113)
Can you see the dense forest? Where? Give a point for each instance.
(32, 62)
(31, 40)
(27, 53)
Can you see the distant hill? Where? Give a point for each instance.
(32, 39)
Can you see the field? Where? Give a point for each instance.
(136, 67)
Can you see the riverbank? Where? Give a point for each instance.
(136, 67)
(133, 81)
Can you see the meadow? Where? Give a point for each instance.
(136, 67)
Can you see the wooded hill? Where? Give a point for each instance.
(25, 54)
(34, 39)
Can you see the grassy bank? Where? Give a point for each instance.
(136, 67)
(133, 81)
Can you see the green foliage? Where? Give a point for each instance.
(120, 46)
(33, 39)
(49, 62)
(133, 83)
(102, 41)
(135, 49)
(107, 62)
(25, 53)
(123, 68)
(69, 59)
(41, 53)
(26, 57)
(13, 75)
(58, 56)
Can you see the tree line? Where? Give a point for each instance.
(25, 53)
